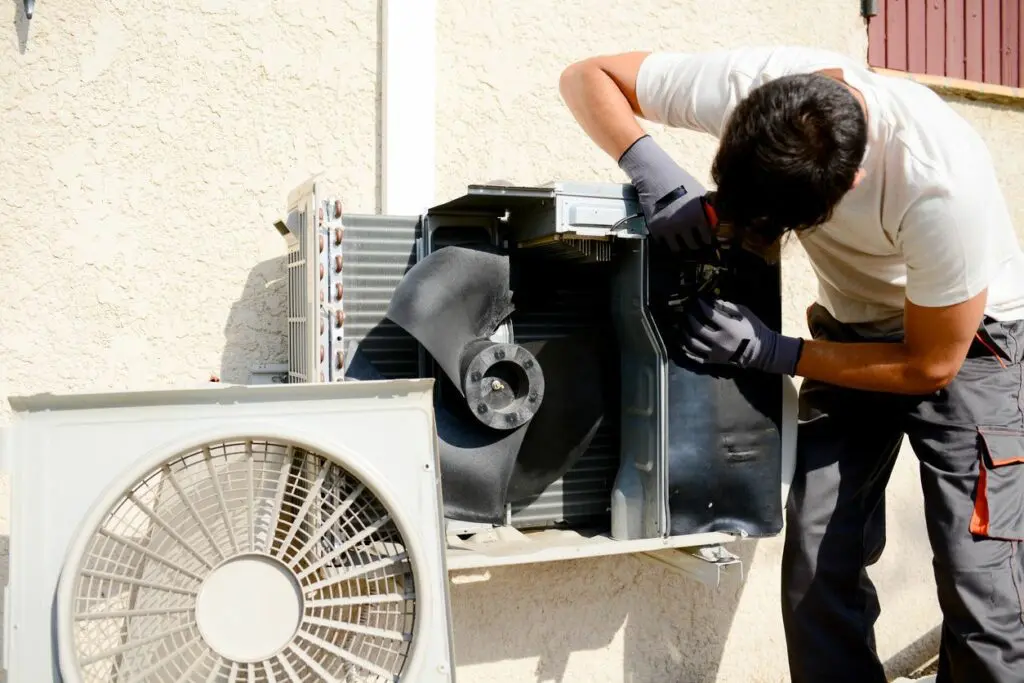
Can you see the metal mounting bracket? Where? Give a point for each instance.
(269, 373)
(708, 564)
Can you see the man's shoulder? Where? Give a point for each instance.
(929, 144)
(698, 90)
(756, 60)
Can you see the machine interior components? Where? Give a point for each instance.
(626, 436)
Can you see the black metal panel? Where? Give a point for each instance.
(724, 425)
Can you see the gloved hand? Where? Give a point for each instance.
(671, 199)
(723, 332)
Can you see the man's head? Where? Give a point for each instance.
(789, 153)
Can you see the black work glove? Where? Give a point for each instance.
(724, 332)
(671, 199)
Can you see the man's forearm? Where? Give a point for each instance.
(600, 108)
(881, 367)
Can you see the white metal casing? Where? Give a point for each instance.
(72, 456)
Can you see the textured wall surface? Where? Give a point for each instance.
(149, 145)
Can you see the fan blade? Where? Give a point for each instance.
(451, 298)
(357, 365)
(450, 302)
(573, 408)
(476, 462)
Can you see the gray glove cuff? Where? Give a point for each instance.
(653, 172)
(787, 355)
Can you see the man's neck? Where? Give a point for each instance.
(837, 75)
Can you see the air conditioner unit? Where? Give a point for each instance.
(226, 534)
(564, 416)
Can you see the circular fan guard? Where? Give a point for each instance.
(244, 560)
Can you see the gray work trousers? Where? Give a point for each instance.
(969, 441)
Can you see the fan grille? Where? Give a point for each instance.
(144, 567)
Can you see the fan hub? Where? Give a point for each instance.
(249, 608)
(503, 383)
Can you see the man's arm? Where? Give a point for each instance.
(946, 251)
(601, 94)
(936, 341)
(948, 268)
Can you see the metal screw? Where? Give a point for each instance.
(528, 364)
(499, 354)
(510, 418)
(475, 377)
(533, 397)
(496, 385)
(481, 408)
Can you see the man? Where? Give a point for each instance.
(918, 328)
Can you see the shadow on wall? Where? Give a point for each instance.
(673, 628)
(21, 25)
(256, 330)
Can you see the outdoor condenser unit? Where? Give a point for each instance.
(560, 403)
(221, 534)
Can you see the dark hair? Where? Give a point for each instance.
(789, 153)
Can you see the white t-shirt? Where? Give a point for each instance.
(928, 222)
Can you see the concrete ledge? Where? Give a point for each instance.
(972, 90)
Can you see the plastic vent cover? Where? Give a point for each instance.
(217, 564)
(258, 555)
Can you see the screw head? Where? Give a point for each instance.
(510, 418)
(499, 354)
(533, 397)
(476, 376)
(481, 408)
(528, 364)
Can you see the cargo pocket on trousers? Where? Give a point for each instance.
(999, 501)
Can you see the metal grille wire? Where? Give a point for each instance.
(298, 307)
(135, 595)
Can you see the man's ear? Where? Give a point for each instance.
(857, 179)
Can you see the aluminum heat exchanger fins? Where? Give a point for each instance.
(511, 418)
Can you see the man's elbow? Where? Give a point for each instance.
(926, 377)
(573, 75)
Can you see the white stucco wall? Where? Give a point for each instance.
(149, 145)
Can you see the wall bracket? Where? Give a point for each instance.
(708, 564)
